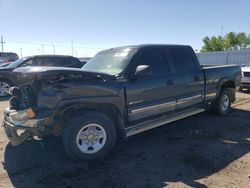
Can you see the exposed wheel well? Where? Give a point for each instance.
(230, 85)
(6, 80)
(109, 110)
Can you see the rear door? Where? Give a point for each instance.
(150, 95)
(189, 79)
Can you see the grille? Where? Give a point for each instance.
(246, 74)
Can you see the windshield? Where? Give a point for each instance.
(16, 63)
(111, 62)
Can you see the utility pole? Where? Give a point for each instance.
(221, 31)
(72, 47)
(43, 48)
(21, 51)
(38, 50)
(2, 42)
(54, 49)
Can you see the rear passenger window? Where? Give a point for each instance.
(155, 58)
(183, 59)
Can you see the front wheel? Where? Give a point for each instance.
(90, 137)
(222, 105)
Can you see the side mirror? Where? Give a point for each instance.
(143, 70)
(243, 65)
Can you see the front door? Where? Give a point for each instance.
(151, 95)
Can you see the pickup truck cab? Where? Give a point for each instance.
(119, 93)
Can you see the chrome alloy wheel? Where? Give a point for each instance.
(4, 89)
(224, 103)
(91, 138)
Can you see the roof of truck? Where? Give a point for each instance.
(149, 45)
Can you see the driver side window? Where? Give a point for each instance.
(155, 59)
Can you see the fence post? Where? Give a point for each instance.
(227, 57)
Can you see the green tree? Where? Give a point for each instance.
(248, 41)
(217, 43)
(206, 47)
(213, 44)
(242, 40)
(232, 41)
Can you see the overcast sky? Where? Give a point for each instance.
(93, 25)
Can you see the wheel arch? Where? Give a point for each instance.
(110, 110)
(227, 83)
(6, 79)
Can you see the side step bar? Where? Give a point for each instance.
(141, 127)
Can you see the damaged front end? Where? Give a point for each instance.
(38, 107)
(19, 125)
(20, 119)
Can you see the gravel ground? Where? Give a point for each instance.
(200, 151)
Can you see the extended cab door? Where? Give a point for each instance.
(150, 95)
(189, 78)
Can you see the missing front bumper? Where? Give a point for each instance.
(11, 133)
(29, 128)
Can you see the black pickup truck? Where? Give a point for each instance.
(118, 93)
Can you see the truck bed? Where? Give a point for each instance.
(214, 75)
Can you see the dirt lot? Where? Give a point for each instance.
(201, 151)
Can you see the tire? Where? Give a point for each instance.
(4, 84)
(80, 137)
(222, 105)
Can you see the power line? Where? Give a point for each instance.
(56, 45)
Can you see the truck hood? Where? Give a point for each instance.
(47, 86)
(5, 69)
(245, 69)
(59, 73)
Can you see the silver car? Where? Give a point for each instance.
(8, 57)
(245, 80)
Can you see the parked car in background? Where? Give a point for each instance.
(245, 80)
(8, 78)
(6, 57)
(119, 92)
(84, 60)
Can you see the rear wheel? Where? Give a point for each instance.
(222, 105)
(5, 86)
(90, 137)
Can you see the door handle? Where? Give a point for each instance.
(170, 82)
